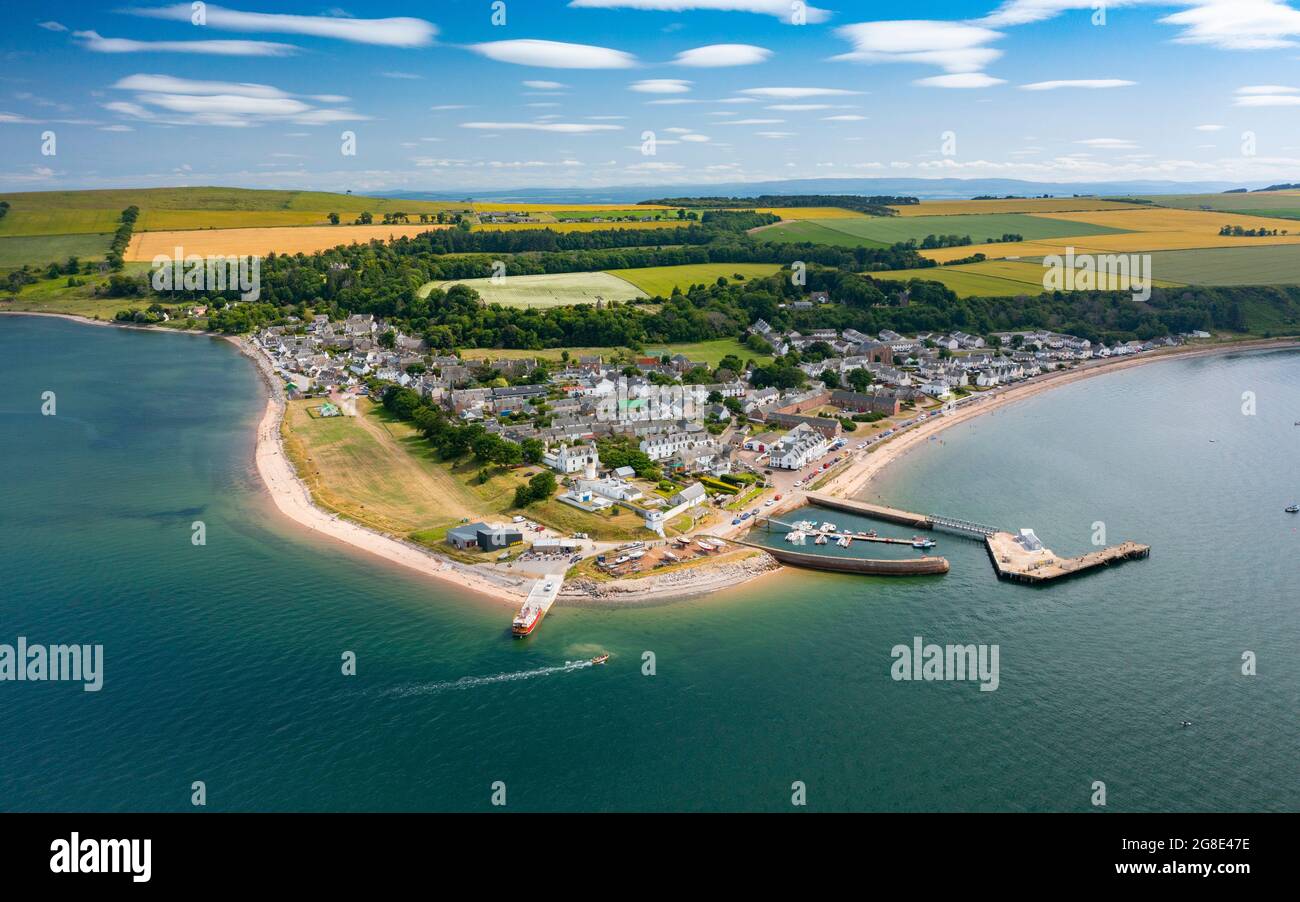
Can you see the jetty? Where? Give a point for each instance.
(539, 601)
(1023, 559)
(921, 566)
(1018, 558)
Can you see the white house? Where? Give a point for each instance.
(798, 448)
(573, 459)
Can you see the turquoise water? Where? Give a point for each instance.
(222, 661)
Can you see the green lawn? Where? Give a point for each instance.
(710, 352)
(659, 281)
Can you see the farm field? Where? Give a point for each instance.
(72, 212)
(285, 240)
(592, 212)
(659, 281)
(40, 250)
(805, 213)
(1276, 265)
(1012, 205)
(992, 278)
(522, 205)
(1149, 229)
(800, 232)
(1281, 204)
(579, 226)
(549, 290)
(893, 229)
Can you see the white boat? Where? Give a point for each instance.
(718, 545)
(636, 556)
(821, 539)
(844, 541)
(705, 545)
(829, 527)
(923, 543)
(795, 535)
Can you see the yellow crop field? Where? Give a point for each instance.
(287, 240)
(1165, 219)
(1022, 205)
(1014, 249)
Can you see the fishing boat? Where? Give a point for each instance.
(795, 535)
(1293, 509)
(829, 527)
(600, 659)
(844, 541)
(821, 539)
(918, 542)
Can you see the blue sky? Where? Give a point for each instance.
(563, 93)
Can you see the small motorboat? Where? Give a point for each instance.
(1187, 723)
(821, 539)
(600, 659)
(1293, 509)
(922, 543)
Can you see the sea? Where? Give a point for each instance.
(132, 518)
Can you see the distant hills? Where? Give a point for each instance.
(926, 189)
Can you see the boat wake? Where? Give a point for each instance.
(472, 682)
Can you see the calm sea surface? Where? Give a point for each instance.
(222, 662)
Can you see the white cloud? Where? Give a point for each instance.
(1267, 95)
(92, 41)
(554, 54)
(544, 85)
(1088, 83)
(402, 76)
(661, 86)
(781, 9)
(1108, 143)
(696, 138)
(395, 32)
(952, 46)
(169, 100)
(751, 122)
(963, 80)
(1209, 128)
(718, 55)
(800, 107)
(848, 117)
(798, 93)
(568, 128)
(53, 26)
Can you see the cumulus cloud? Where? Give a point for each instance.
(554, 54)
(93, 41)
(166, 99)
(1088, 83)
(781, 9)
(661, 86)
(798, 93)
(719, 55)
(960, 80)
(567, 128)
(394, 32)
(952, 46)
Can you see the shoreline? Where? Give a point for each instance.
(291, 497)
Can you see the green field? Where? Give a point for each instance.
(659, 281)
(640, 213)
(549, 290)
(800, 231)
(996, 278)
(40, 250)
(1275, 265)
(1283, 205)
(710, 352)
(79, 212)
(980, 227)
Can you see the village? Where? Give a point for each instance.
(700, 449)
